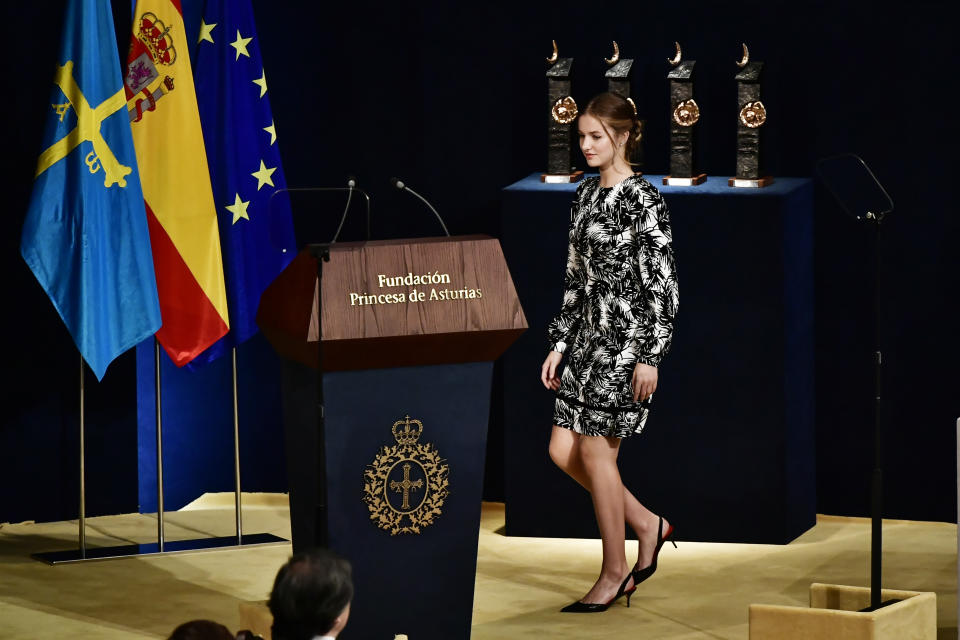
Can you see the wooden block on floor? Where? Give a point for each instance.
(834, 614)
(256, 617)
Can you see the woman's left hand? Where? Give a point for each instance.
(644, 381)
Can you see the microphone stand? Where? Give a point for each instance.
(365, 195)
(876, 489)
(876, 507)
(351, 186)
(321, 252)
(399, 184)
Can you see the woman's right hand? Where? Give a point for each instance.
(548, 372)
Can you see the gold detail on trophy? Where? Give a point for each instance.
(746, 56)
(753, 114)
(675, 60)
(405, 486)
(564, 110)
(633, 104)
(615, 58)
(553, 57)
(686, 113)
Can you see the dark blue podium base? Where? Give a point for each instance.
(420, 584)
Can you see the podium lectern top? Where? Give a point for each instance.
(394, 303)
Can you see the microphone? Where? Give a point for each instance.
(398, 183)
(350, 189)
(351, 185)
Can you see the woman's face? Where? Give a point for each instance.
(597, 147)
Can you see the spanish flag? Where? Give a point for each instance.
(184, 236)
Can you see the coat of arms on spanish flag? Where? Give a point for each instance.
(162, 106)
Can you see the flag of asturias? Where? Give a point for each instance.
(85, 236)
(256, 231)
(162, 107)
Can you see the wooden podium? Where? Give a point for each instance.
(410, 331)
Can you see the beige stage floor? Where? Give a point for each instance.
(702, 590)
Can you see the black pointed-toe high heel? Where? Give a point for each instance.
(597, 607)
(639, 575)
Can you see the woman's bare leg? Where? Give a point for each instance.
(599, 457)
(565, 453)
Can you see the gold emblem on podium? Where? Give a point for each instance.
(405, 486)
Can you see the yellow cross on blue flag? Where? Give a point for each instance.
(85, 236)
(256, 227)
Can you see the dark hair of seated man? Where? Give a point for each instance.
(311, 596)
(201, 630)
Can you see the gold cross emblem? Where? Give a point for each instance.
(406, 456)
(405, 485)
(89, 120)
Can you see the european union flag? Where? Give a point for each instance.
(256, 234)
(85, 236)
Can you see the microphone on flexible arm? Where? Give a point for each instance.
(351, 185)
(350, 189)
(398, 183)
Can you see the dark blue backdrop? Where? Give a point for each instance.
(450, 98)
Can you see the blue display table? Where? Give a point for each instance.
(728, 450)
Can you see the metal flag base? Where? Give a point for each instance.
(151, 548)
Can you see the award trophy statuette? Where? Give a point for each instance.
(618, 81)
(684, 114)
(750, 119)
(561, 113)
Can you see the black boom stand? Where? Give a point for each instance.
(321, 252)
(305, 226)
(862, 196)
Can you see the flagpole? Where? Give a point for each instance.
(156, 356)
(236, 449)
(83, 489)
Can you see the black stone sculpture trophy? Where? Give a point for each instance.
(684, 114)
(561, 113)
(618, 81)
(750, 119)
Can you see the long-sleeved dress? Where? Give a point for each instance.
(619, 304)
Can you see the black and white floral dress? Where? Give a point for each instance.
(619, 304)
